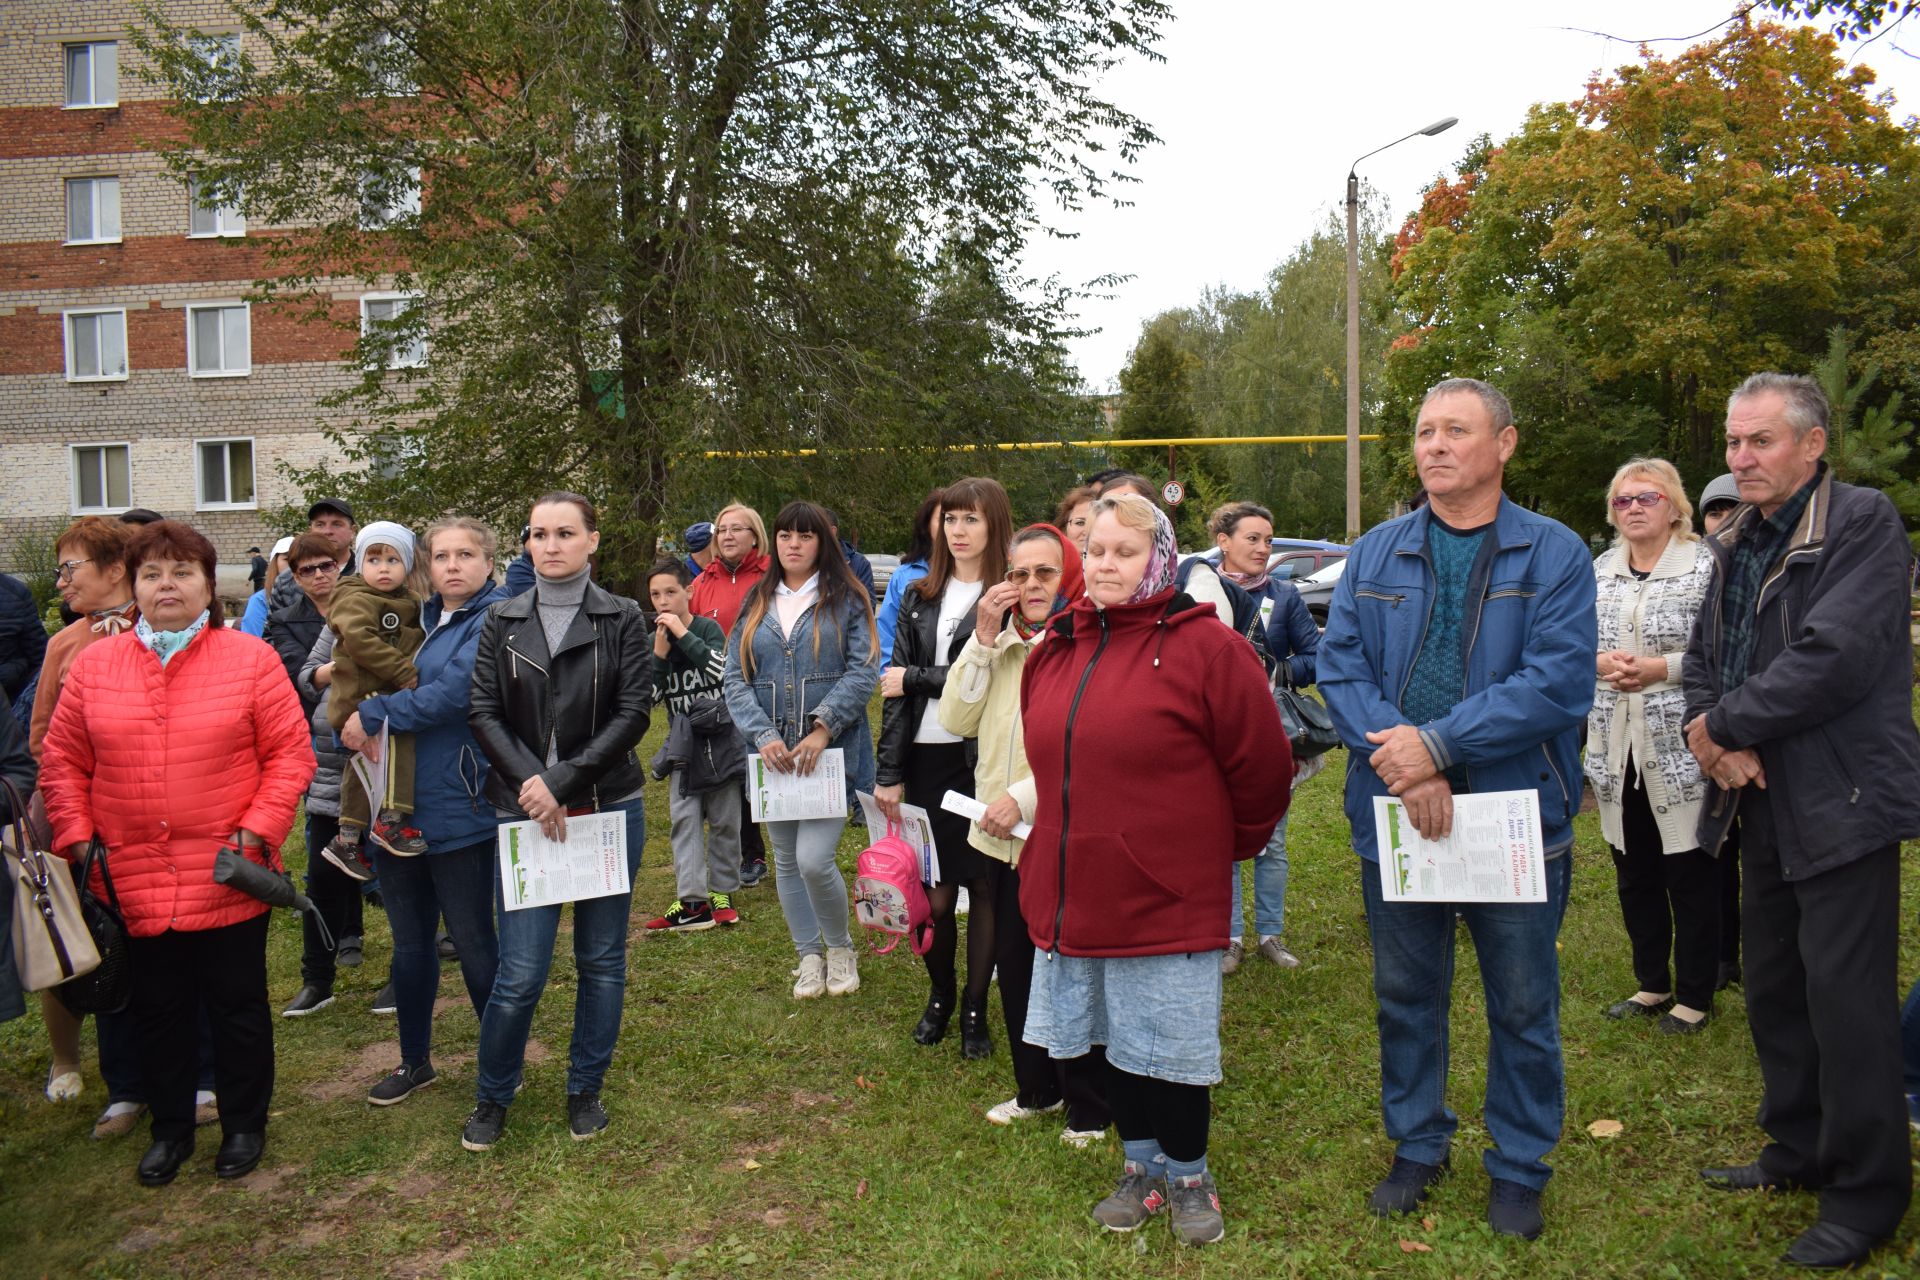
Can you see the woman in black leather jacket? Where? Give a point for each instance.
(919, 761)
(561, 696)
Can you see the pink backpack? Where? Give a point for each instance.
(887, 895)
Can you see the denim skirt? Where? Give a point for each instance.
(1158, 1016)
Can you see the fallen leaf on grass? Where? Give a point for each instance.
(1427, 1223)
(1606, 1128)
(860, 1192)
(774, 1217)
(1414, 1246)
(749, 1164)
(865, 1083)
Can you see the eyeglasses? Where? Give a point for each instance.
(1648, 499)
(1044, 574)
(64, 570)
(323, 568)
(732, 528)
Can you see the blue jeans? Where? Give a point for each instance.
(1269, 889)
(458, 884)
(813, 893)
(600, 964)
(1413, 948)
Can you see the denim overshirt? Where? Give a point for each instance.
(1528, 653)
(793, 687)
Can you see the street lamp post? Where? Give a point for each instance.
(1353, 321)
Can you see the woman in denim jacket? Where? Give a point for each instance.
(801, 665)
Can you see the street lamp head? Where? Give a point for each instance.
(1440, 126)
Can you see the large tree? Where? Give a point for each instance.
(1621, 263)
(646, 229)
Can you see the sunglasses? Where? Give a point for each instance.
(1650, 499)
(324, 567)
(1043, 575)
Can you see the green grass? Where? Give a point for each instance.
(872, 1155)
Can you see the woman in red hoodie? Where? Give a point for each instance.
(739, 561)
(1125, 887)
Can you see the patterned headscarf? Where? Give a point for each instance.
(1162, 560)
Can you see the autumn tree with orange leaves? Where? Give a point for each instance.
(1621, 263)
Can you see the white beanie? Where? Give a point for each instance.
(389, 534)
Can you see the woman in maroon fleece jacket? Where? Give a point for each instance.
(1125, 886)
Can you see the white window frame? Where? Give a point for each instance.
(228, 221)
(414, 300)
(66, 193)
(93, 74)
(200, 501)
(193, 363)
(66, 340)
(379, 218)
(387, 83)
(73, 477)
(215, 49)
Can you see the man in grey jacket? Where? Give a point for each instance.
(1799, 682)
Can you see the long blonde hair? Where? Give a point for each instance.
(1664, 477)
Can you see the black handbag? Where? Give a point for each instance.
(1309, 728)
(107, 988)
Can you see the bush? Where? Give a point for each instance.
(36, 565)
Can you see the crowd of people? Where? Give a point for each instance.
(1738, 700)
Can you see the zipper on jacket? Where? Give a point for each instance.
(1066, 781)
(1393, 601)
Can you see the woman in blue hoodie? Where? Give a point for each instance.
(455, 878)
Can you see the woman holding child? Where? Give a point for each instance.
(561, 696)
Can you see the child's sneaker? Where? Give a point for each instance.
(344, 852)
(392, 834)
(723, 912)
(1196, 1212)
(683, 917)
(1139, 1195)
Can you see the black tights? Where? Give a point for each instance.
(1174, 1115)
(981, 893)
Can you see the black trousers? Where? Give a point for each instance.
(337, 898)
(752, 848)
(1730, 895)
(1040, 1080)
(1822, 992)
(1670, 903)
(1177, 1116)
(224, 972)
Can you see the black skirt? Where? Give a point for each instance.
(933, 769)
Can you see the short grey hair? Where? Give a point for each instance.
(1496, 403)
(1805, 399)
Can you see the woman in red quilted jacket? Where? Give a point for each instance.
(171, 741)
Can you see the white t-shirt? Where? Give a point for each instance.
(789, 604)
(955, 600)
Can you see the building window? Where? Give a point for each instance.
(218, 343)
(93, 74)
(226, 474)
(389, 66)
(205, 219)
(96, 345)
(387, 198)
(393, 324)
(93, 210)
(222, 56)
(101, 481)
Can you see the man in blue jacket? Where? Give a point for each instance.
(1458, 657)
(23, 638)
(1799, 682)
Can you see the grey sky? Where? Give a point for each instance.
(1262, 105)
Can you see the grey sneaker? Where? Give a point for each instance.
(401, 1081)
(1138, 1196)
(1273, 951)
(1231, 957)
(1196, 1213)
(484, 1126)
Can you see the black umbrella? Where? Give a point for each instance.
(272, 887)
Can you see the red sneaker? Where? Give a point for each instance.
(723, 912)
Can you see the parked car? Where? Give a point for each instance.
(1295, 558)
(1317, 589)
(883, 567)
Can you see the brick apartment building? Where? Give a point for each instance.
(132, 371)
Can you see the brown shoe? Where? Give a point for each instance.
(118, 1125)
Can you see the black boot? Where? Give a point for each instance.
(974, 1040)
(932, 1027)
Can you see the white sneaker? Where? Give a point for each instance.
(1011, 1110)
(1270, 948)
(813, 978)
(1082, 1138)
(843, 971)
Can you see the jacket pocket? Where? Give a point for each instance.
(1107, 886)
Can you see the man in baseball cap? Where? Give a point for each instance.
(699, 540)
